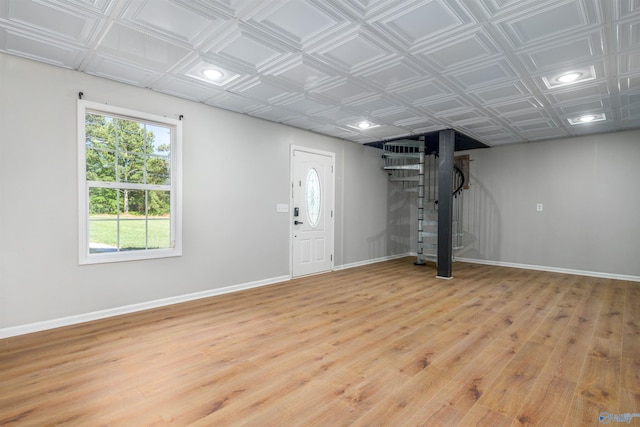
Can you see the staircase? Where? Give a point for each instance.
(407, 162)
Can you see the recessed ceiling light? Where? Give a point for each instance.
(587, 118)
(213, 74)
(569, 77)
(576, 75)
(363, 125)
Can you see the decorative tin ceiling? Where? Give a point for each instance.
(496, 70)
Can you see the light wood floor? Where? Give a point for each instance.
(385, 344)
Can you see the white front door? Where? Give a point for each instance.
(312, 214)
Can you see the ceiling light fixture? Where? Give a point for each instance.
(570, 77)
(213, 74)
(364, 125)
(587, 118)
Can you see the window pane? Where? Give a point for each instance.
(103, 201)
(103, 234)
(130, 167)
(313, 197)
(159, 203)
(158, 170)
(159, 140)
(159, 232)
(132, 203)
(133, 234)
(131, 136)
(101, 165)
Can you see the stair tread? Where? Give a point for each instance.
(402, 167)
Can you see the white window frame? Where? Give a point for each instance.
(85, 257)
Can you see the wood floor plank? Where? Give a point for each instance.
(547, 402)
(599, 381)
(512, 387)
(385, 344)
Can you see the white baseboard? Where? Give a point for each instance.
(552, 269)
(370, 261)
(102, 314)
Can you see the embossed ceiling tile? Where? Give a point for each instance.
(629, 63)
(547, 133)
(582, 92)
(272, 114)
(481, 124)
(420, 92)
(629, 35)
(134, 46)
(303, 104)
(462, 116)
(501, 7)
(40, 48)
(629, 83)
(575, 109)
(302, 72)
(534, 125)
(343, 91)
(92, 6)
(337, 115)
(392, 74)
(565, 54)
(627, 8)
(494, 142)
(431, 126)
(384, 132)
(355, 51)
(632, 99)
(232, 101)
(440, 106)
(363, 9)
(171, 20)
(248, 49)
(484, 75)
(510, 90)
(492, 132)
(300, 22)
(397, 116)
(176, 86)
(262, 89)
(472, 48)
(518, 105)
(421, 21)
(372, 104)
(630, 109)
(303, 122)
(420, 121)
(550, 20)
(525, 116)
(51, 20)
(109, 68)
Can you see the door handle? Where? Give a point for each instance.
(296, 222)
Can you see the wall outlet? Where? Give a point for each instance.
(539, 207)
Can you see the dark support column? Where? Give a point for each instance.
(445, 202)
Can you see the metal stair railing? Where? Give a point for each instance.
(407, 163)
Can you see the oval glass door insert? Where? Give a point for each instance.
(313, 197)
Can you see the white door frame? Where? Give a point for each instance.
(331, 200)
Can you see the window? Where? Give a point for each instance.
(129, 193)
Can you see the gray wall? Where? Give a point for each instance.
(588, 188)
(236, 170)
